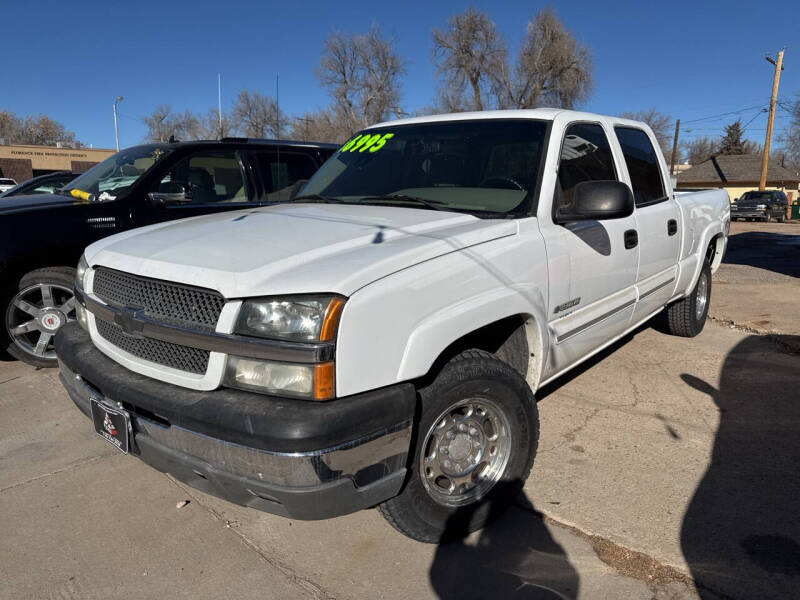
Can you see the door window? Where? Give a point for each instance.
(206, 178)
(643, 168)
(281, 170)
(585, 156)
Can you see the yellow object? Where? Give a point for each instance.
(80, 195)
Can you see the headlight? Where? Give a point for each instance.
(298, 318)
(83, 317)
(312, 382)
(80, 272)
(761, 206)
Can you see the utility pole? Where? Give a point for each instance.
(762, 184)
(305, 121)
(674, 147)
(116, 131)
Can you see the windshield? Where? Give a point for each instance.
(756, 196)
(482, 166)
(116, 174)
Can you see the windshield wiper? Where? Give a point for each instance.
(433, 204)
(318, 198)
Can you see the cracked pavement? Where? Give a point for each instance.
(650, 475)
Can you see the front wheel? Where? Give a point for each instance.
(687, 317)
(475, 444)
(40, 304)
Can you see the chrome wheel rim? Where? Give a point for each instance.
(702, 296)
(36, 313)
(465, 452)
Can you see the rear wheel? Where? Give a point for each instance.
(40, 304)
(687, 317)
(475, 444)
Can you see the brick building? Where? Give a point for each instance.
(21, 162)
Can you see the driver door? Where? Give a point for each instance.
(202, 183)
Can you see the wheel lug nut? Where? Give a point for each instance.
(462, 427)
(473, 432)
(444, 449)
(447, 464)
(451, 435)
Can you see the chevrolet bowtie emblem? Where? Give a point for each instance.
(130, 320)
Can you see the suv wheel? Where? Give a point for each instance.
(40, 304)
(475, 444)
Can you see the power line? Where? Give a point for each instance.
(733, 112)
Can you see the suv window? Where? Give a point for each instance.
(643, 168)
(207, 178)
(281, 170)
(585, 156)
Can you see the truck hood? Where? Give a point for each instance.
(36, 202)
(293, 248)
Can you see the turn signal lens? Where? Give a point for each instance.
(324, 381)
(330, 323)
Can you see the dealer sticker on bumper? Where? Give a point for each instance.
(111, 424)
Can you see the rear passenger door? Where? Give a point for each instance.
(591, 264)
(657, 221)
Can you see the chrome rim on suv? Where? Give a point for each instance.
(702, 296)
(465, 452)
(35, 315)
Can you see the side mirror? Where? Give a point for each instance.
(597, 200)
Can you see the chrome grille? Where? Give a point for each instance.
(183, 358)
(172, 303)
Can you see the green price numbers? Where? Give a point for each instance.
(371, 143)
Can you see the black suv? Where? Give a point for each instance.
(42, 237)
(763, 205)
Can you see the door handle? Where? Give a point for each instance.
(631, 239)
(672, 227)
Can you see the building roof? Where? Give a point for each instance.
(737, 168)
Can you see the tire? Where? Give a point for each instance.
(687, 317)
(500, 434)
(768, 218)
(42, 301)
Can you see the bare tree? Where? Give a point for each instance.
(469, 55)
(362, 74)
(328, 125)
(256, 115)
(700, 149)
(552, 69)
(212, 127)
(160, 124)
(661, 124)
(792, 135)
(40, 130)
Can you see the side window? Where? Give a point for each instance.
(585, 156)
(280, 170)
(643, 168)
(205, 178)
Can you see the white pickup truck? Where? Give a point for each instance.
(378, 340)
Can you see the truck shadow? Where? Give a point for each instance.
(741, 532)
(515, 557)
(775, 252)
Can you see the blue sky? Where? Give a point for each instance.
(687, 59)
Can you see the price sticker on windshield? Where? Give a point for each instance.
(367, 142)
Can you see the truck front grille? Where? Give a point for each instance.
(171, 303)
(183, 358)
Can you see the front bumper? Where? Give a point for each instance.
(298, 459)
(749, 213)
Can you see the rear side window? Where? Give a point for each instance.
(585, 156)
(282, 169)
(642, 162)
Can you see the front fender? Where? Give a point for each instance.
(395, 328)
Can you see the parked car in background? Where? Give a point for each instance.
(379, 339)
(43, 184)
(6, 183)
(764, 205)
(42, 236)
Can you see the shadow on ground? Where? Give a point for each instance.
(774, 252)
(741, 532)
(514, 557)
